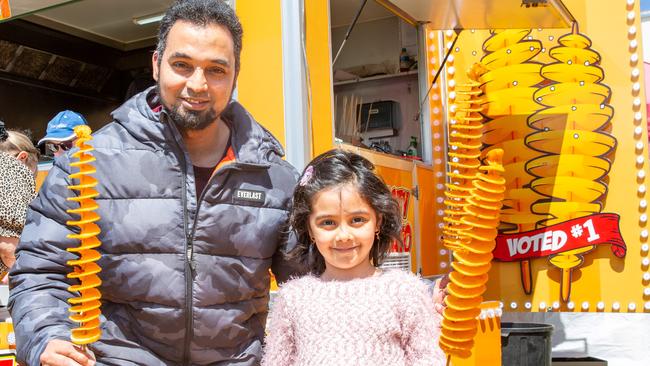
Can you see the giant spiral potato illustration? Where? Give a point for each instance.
(509, 83)
(571, 132)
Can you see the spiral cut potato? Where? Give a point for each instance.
(472, 259)
(570, 131)
(463, 160)
(509, 85)
(86, 306)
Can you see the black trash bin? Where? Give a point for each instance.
(526, 344)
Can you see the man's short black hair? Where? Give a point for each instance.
(203, 13)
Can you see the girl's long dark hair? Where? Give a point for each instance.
(335, 168)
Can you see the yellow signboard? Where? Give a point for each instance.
(567, 108)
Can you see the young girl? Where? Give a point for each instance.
(347, 311)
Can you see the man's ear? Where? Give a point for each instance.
(154, 64)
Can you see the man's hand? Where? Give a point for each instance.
(439, 293)
(63, 353)
(7, 250)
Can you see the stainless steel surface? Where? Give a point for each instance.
(482, 14)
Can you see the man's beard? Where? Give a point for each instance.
(189, 120)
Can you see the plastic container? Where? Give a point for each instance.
(404, 61)
(526, 344)
(412, 150)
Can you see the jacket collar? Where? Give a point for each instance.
(251, 142)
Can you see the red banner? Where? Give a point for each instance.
(597, 229)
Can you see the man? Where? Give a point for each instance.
(59, 136)
(193, 193)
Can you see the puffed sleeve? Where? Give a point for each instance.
(420, 327)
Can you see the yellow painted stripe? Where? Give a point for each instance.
(260, 86)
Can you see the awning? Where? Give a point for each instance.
(482, 14)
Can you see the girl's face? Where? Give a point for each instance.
(343, 226)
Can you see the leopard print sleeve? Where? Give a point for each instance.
(17, 189)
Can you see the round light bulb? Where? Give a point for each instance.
(646, 291)
(600, 305)
(638, 130)
(645, 262)
(640, 159)
(513, 305)
(570, 305)
(643, 203)
(528, 305)
(585, 305)
(616, 306)
(542, 305)
(631, 306)
(641, 174)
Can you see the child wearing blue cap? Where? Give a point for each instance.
(60, 135)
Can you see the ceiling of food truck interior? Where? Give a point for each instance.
(106, 22)
(342, 12)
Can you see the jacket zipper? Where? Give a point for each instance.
(189, 315)
(189, 323)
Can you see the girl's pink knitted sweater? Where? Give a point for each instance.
(387, 319)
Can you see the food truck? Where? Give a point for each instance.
(544, 81)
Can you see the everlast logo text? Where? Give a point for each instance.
(249, 196)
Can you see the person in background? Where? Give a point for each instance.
(348, 311)
(18, 165)
(60, 136)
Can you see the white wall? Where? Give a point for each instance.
(369, 43)
(402, 89)
(376, 42)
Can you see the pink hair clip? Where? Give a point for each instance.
(306, 176)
